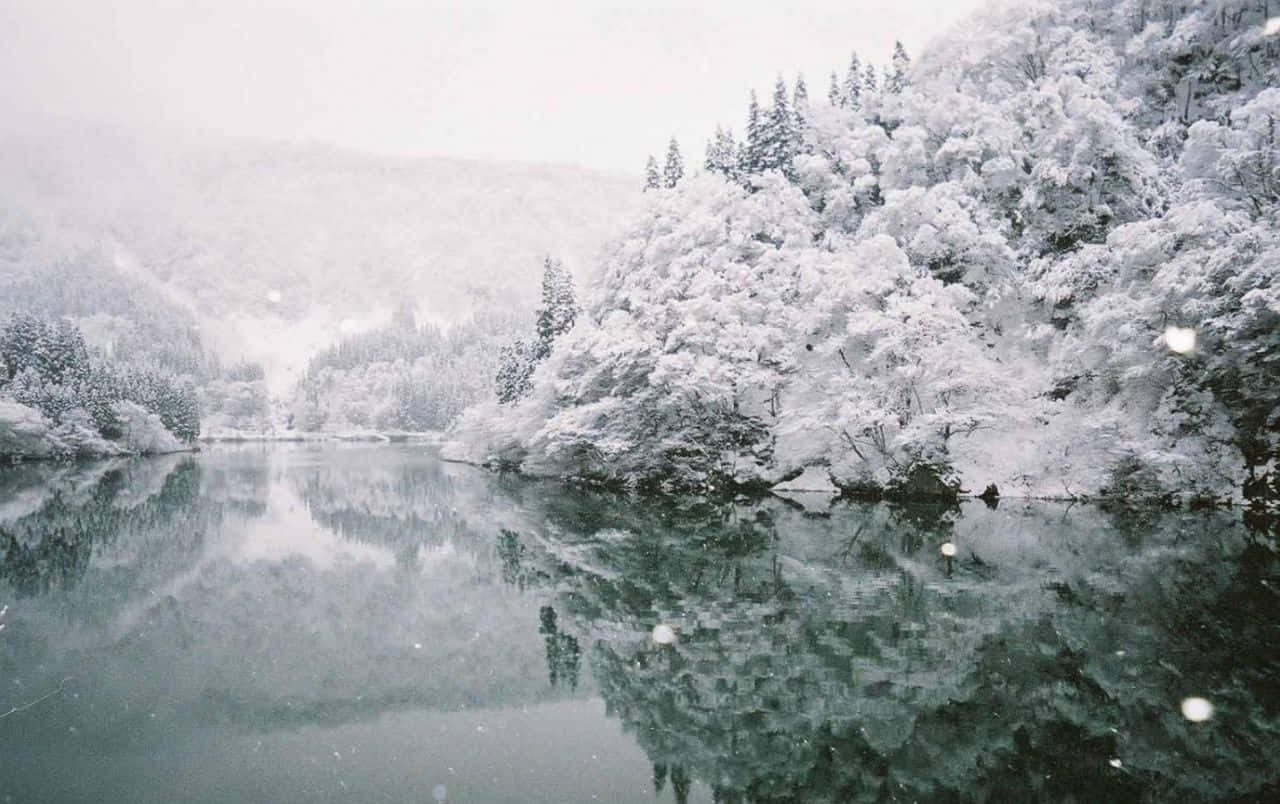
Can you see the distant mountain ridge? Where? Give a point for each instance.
(276, 248)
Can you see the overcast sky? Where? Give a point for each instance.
(600, 84)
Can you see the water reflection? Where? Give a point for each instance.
(830, 655)
(844, 659)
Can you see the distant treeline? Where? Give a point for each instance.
(403, 376)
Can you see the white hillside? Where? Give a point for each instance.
(276, 248)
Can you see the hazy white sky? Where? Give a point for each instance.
(600, 84)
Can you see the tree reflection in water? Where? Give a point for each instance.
(51, 546)
(837, 660)
(828, 657)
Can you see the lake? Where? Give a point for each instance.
(367, 623)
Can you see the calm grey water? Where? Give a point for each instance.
(368, 624)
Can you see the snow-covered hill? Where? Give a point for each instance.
(276, 249)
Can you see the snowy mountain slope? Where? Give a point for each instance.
(1044, 260)
(276, 248)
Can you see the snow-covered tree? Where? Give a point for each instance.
(652, 178)
(1045, 259)
(1238, 162)
(800, 111)
(559, 305)
(516, 363)
(851, 92)
(751, 156)
(45, 365)
(673, 171)
(777, 133)
(896, 78)
(722, 153)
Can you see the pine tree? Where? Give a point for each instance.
(852, 89)
(896, 79)
(778, 141)
(750, 154)
(800, 112)
(722, 153)
(184, 411)
(652, 179)
(869, 81)
(559, 310)
(800, 104)
(834, 96)
(674, 169)
(559, 306)
(515, 370)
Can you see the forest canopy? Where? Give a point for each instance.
(1043, 257)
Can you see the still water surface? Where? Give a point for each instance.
(366, 623)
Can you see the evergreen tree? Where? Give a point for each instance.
(750, 155)
(674, 169)
(55, 352)
(778, 142)
(834, 96)
(852, 90)
(652, 178)
(517, 361)
(559, 306)
(896, 78)
(722, 153)
(515, 370)
(800, 111)
(182, 414)
(869, 81)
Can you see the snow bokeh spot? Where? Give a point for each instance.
(948, 549)
(1196, 709)
(274, 296)
(664, 634)
(1115, 762)
(1271, 27)
(439, 792)
(1180, 339)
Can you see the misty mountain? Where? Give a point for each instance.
(271, 250)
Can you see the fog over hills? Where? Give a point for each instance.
(273, 250)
